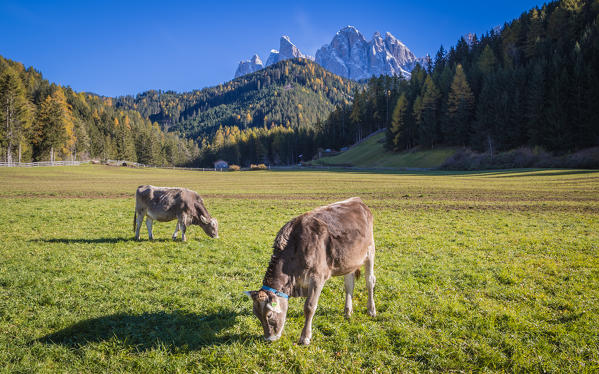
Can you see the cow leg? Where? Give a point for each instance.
(370, 280)
(309, 310)
(138, 221)
(349, 280)
(149, 226)
(176, 230)
(183, 228)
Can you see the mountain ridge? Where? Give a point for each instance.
(348, 54)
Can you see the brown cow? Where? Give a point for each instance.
(329, 241)
(169, 203)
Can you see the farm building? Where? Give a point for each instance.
(221, 164)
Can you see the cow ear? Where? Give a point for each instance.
(204, 220)
(250, 294)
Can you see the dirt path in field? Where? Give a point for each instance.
(396, 201)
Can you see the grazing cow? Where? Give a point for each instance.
(329, 241)
(169, 203)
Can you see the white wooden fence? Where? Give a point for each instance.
(42, 163)
(109, 162)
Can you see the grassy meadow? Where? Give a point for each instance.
(371, 153)
(492, 271)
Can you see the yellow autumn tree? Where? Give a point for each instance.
(54, 126)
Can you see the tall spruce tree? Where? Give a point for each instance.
(15, 113)
(429, 124)
(400, 126)
(460, 104)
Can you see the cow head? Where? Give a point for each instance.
(209, 225)
(271, 310)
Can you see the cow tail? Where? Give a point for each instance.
(135, 221)
(357, 274)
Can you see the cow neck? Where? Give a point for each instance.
(202, 211)
(275, 277)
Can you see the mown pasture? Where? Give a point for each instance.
(483, 271)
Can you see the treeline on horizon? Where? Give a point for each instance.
(280, 144)
(42, 121)
(534, 83)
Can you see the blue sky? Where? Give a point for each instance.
(115, 48)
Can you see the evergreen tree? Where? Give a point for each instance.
(487, 61)
(15, 113)
(429, 125)
(460, 104)
(399, 130)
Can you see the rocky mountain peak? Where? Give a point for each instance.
(349, 29)
(249, 66)
(351, 56)
(256, 60)
(287, 49)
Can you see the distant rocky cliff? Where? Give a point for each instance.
(349, 55)
(249, 66)
(286, 51)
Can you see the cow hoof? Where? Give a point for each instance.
(348, 313)
(304, 341)
(174, 238)
(372, 313)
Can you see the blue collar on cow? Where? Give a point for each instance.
(278, 293)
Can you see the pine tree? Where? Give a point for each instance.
(429, 128)
(399, 130)
(484, 137)
(535, 34)
(460, 103)
(15, 113)
(64, 117)
(357, 114)
(417, 118)
(487, 60)
(82, 146)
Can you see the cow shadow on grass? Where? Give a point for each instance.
(175, 331)
(98, 240)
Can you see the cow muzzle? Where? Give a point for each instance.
(272, 338)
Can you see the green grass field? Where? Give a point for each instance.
(372, 154)
(491, 271)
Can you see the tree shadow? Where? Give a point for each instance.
(174, 331)
(97, 240)
(550, 173)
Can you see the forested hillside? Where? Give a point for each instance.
(44, 121)
(534, 83)
(282, 144)
(290, 93)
